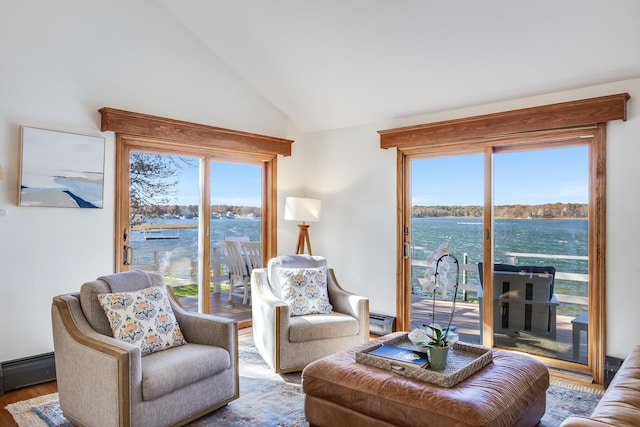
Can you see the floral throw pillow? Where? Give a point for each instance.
(143, 318)
(305, 290)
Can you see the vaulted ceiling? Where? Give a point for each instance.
(330, 64)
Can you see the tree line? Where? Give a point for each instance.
(547, 210)
(160, 211)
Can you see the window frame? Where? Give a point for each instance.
(136, 131)
(563, 124)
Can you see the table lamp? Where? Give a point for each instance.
(305, 210)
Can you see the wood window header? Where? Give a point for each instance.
(556, 116)
(137, 124)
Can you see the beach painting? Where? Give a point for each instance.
(61, 169)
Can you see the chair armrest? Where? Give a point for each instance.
(82, 353)
(207, 329)
(270, 317)
(70, 316)
(264, 303)
(344, 301)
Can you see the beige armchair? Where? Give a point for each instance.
(105, 381)
(289, 342)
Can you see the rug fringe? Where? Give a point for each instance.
(22, 413)
(585, 389)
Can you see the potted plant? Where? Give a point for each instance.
(435, 340)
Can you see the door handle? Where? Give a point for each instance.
(127, 255)
(406, 250)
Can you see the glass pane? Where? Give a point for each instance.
(447, 199)
(236, 221)
(164, 207)
(541, 239)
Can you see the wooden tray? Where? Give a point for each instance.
(463, 361)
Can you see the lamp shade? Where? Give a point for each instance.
(300, 209)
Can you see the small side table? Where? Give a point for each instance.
(580, 323)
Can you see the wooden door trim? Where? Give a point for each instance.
(547, 117)
(177, 131)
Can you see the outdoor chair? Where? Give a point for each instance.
(238, 270)
(252, 252)
(175, 372)
(523, 299)
(301, 313)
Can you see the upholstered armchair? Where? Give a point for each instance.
(107, 381)
(285, 336)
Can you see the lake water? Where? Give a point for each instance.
(566, 237)
(535, 236)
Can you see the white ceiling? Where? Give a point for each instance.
(337, 63)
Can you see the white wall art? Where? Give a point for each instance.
(61, 169)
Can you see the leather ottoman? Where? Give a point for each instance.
(510, 391)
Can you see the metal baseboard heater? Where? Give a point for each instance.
(27, 371)
(381, 324)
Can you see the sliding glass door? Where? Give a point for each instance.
(541, 251)
(236, 219)
(164, 210)
(177, 208)
(537, 198)
(447, 211)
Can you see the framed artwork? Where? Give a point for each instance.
(61, 169)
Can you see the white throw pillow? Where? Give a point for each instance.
(305, 290)
(143, 318)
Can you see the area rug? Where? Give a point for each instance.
(268, 399)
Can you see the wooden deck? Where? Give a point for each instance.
(466, 321)
(467, 324)
(221, 306)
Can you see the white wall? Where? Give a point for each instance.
(356, 181)
(61, 62)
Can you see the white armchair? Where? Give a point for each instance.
(289, 342)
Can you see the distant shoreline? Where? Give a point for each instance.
(541, 211)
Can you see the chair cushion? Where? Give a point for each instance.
(322, 326)
(143, 318)
(169, 370)
(305, 290)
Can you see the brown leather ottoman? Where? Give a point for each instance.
(510, 391)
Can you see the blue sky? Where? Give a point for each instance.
(231, 184)
(531, 177)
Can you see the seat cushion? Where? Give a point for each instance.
(177, 367)
(313, 327)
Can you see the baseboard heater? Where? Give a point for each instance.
(27, 371)
(381, 324)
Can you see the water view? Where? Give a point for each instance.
(561, 243)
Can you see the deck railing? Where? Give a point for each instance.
(184, 269)
(512, 258)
